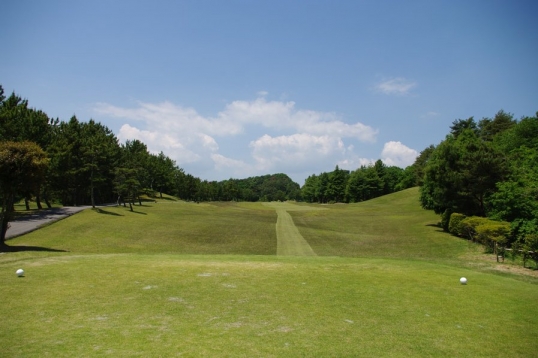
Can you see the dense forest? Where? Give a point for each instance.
(482, 178)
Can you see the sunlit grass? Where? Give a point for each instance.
(165, 226)
(391, 226)
(196, 306)
(197, 280)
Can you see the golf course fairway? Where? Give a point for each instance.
(289, 241)
(177, 279)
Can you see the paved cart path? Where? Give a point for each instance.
(30, 222)
(290, 242)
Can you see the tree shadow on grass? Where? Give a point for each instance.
(139, 212)
(7, 248)
(438, 226)
(101, 211)
(166, 198)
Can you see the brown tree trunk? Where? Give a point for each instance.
(38, 202)
(5, 217)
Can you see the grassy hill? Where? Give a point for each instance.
(198, 280)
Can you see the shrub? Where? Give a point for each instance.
(530, 248)
(497, 231)
(493, 233)
(455, 226)
(469, 225)
(445, 219)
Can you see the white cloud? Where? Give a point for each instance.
(294, 139)
(353, 163)
(164, 142)
(231, 167)
(396, 86)
(430, 114)
(297, 150)
(397, 154)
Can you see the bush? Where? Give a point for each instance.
(530, 248)
(493, 234)
(455, 226)
(497, 231)
(469, 225)
(445, 219)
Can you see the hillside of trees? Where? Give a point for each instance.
(483, 180)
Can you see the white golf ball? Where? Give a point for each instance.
(20, 272)
(463, 281)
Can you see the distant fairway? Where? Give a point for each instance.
(289, 241)
(208, 280)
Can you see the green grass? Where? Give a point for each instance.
(165, 226)
(198, 280)
(391, 226)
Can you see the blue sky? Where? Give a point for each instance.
(243, 88)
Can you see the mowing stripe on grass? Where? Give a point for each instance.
(289, 241)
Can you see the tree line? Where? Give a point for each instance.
(46, 160)
(483, 180)
(367, 182)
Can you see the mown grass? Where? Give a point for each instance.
(199, 306)
(390, 226)
(387, 284)
(165, 226)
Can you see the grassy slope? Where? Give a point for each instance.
(390, 226)
(395, 291)
(166, 226)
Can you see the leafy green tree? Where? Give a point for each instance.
(461, 125)
(365, 184)
(135, 157)
(407, 179)
(420, 164)
(19, 122)
(22, 169)
(13, 117)
(127, 186)
(516, 199)
(523, 134)
(460, 173)
(69, 178)
(392, 178)
(489, 128)
(308, 191)
(100, 152)
(336, 187)
(321, 187)
(355, 184)
(161, 172)
(83, 159)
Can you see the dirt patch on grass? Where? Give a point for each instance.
(489, 262)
